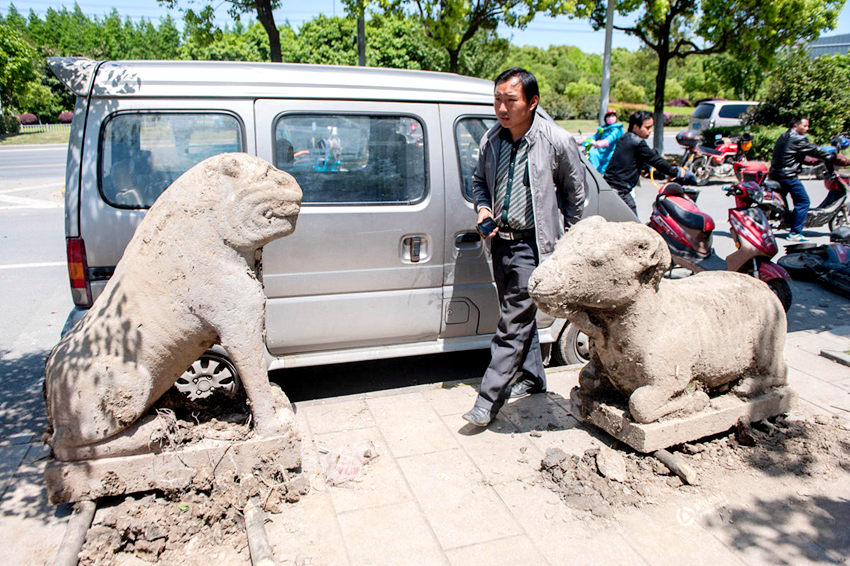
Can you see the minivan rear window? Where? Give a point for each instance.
(703, 111)
(353, 158)
(733, 110)
(143, 153)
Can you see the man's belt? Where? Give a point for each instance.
(515, 234)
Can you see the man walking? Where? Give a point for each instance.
(530, 181)
(790, 150)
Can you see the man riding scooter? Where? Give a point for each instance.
(790, 150)
(633, 154)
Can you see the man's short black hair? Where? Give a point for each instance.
(797, 119)
(529, 82)
(638, 118)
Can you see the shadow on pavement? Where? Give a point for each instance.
(22, 402)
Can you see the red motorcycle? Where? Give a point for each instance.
(688, 233)
(718, 161)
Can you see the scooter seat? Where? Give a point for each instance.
(686, 213)
(772, 185)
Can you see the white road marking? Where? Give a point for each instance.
(34, 265)
(57, 186)
(23, 202)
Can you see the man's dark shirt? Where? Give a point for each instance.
(789, 152)
(629, 157)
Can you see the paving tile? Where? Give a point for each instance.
(391, 535)
(672, 535)
(329, 416)
(539, 412)
(11, 457)
(30, 528)
(816, 365)
(21, 438)
(814, 342)
(508, 552)
(381, 482)
(501, 453)
(460, 507)
(452, 400)
(307, 533)
(821, 393)
(410, 425)
(560, 537)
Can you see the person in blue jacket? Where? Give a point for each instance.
(604, 141)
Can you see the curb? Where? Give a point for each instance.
(836, 356)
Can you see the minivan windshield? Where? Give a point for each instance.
(703, 111)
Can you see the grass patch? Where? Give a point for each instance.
(586, 127)
(35, 138)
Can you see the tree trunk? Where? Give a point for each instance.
(266, 18)
(658, 110)
(454, 57)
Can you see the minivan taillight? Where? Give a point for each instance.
(78, 272)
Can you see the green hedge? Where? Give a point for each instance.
(9, 124)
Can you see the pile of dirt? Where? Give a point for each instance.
(604, 481)
(203, 521)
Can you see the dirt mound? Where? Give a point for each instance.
(204, 521)
(603, 481)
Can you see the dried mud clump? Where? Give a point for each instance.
(603, 481)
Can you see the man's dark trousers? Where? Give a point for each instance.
(801, 201)
(516, 345)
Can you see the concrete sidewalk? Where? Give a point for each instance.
(442, 492)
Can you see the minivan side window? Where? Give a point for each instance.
(703, 111)
(733, 110)
(468, 134)
(141, 154)
(353, 158)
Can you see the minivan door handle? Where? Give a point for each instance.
(467, 238)
(414, 248)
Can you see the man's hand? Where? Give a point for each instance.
(483, 214)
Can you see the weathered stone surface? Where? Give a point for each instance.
(186, 280)
(723, 413)
(610, 464)
(660, 343)
(194, 465)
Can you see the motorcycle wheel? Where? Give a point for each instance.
(841, 218)
(782, 290)
(699, 168)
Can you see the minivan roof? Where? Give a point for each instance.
(226, 79)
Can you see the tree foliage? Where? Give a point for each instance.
(816, 89)
(17, 70)
(746, 29)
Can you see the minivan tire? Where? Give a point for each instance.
(572, 347)
(211, 374)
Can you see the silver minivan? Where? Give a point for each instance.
(718, 113)
(385, 260)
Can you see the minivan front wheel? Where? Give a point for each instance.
(212, 373)
(572, 347)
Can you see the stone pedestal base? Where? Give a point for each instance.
(195, 464)
(721, 415)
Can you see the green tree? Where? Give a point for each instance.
(262, 9)
(675, 29)
(17, 69)
(453, 23)
(816, 89)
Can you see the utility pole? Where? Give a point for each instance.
(606, 62)
(361, 35)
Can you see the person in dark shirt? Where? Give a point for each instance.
(790, 150)
(632, 154)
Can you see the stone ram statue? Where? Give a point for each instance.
(186, 280)
(661, 343)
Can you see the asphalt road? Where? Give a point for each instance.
(36, 298)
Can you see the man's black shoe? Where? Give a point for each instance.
(478, 416)
(525, 387)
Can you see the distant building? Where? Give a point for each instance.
(830, 45)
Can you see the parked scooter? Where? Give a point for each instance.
(706, 162)
(834, 210)
(688, 233)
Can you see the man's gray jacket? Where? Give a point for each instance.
(555, 175)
